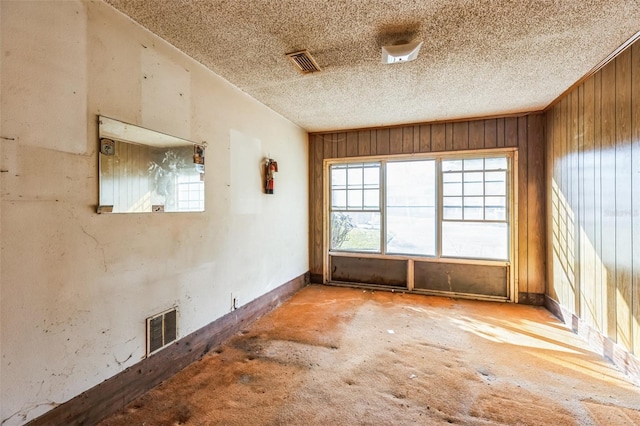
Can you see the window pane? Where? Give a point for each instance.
(354, 199)
(372, 176)
(355, 231)
(495, 208)
(474, 164)
(473, 208)
(473, 177)
(452, 208)
(473, 188)
(338, 177)
(450, 177)
(452, 188)
(473, 183)
(354, 177)
(495, 188)
(411, 189)
(451, 165)
(475, 240)
(411, 230)
(371, 199)
(495, 163)
(339, 199)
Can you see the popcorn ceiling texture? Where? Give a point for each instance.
(479, 58)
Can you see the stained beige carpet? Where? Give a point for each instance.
(338, 356)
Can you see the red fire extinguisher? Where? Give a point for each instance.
(271, 168)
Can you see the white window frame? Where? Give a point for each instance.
(511, 205)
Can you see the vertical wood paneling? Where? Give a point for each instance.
(500, 135)
(575, 186)
(582, 290)
(438, 137)
(536, 206)
(341, 141)
(476, 134)
(382, 142)
(407, 139)
(315, 201)
(490, 134)
(417, 131)
(600, 270)
(448, 137)
(523, 186)
(327, 146)
(334, 145)
(590, 297)
(364, 142)
(460, 136)
(511, 131)
(593, 144)
(635, 190)
(395, 140)
(425, 138)
(567, 213)
(574, 206)
(352, 144)
(551, 200)
(560, 246)
(608, 185)
(623, 198)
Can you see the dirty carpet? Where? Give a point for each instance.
(342, 356)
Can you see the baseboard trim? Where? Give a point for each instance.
(622, 358)
(534, 299)
(316, 278)
(116, 392)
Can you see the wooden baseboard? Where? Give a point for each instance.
(535, 299)
(316, 278)
(116, 392)
(622, 358)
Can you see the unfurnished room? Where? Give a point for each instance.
(318, 212)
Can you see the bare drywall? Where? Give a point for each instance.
(76, 286)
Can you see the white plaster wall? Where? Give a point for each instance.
(76, 286)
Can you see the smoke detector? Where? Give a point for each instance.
(400, 53)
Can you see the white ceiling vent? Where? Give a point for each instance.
(400, 53)
(304, 62)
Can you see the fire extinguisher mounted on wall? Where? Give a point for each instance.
(271, 167)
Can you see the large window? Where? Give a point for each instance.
(355, 207)
(439, 207)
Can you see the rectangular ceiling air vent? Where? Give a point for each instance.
(162, 329)
(304, 62)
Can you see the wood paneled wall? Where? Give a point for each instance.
(525, 132)
(593, 185)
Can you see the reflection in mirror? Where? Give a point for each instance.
(146, 171)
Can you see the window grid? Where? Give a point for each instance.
(466, 198)
(361, 195)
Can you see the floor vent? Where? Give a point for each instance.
(162, 329)
(304, 62)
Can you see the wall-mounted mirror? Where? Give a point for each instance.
(146, 171)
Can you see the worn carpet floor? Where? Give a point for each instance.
(340, 356)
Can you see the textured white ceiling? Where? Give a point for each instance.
(479, 58)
